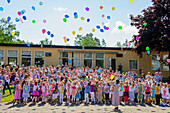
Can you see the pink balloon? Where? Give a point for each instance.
(128, 43)
(19, 13)
(137, 38)
(168, 60)
(102, 15)
(107, 28)
(21, 20)
(44, 21)
(43, 31)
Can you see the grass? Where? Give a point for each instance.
(7, 97)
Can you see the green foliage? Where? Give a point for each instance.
(6, 28)
(46, 42)
(88, 40)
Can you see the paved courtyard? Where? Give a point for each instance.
(7, 107)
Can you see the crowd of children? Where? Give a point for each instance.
(79, 85)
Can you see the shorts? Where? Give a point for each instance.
(147, 96)
(55, 96)
(153, 94)
(107, 96)
(140, 96)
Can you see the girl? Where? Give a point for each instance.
(35, 93)
(86, 91)
(126, 92)
(17, 92)
(153, 91)
(147, 93)
(165, 92)
(73, 92)
(26, 90)
(78, 93)
(132, 93)
(92, 92)
(139, 91)
(68, 93)
(44, 93)
(121, 91)
(107, 92)
(61, 91)
(1, 89)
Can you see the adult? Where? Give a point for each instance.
(157, 77)
(116, 99)
(120, 68)
(147, 75)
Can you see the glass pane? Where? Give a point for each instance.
(39, 61)
(88, 55)
(12, 53)
(39, 53)
(1, 60)
(75, 55)
(165, 67)
(155, 62)
(63, 54)
(76, 62)
(155, 57)
(133, 64)
(12, 61)
(100, 63)
(1, 53)
(100, 55)
(26, 61)
(60, 61)
(88, 62)
(26, 53)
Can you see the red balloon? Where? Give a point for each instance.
(19, 13)
(43, 31)
(64, 38)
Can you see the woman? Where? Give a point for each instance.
(116, 99)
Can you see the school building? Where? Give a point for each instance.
(89, 56)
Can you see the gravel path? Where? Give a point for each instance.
(7, 107)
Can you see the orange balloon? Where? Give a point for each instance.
(101, 7)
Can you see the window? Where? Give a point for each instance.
(1, 57)
(155, 62)
(26, 58)
(63, 58)
(12, 57)
(39, 58)
(133, 64)
(165, 67)
(88, 58)
(100, 59)
(75, 59)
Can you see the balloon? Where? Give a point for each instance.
(24, 17)
(88, 20)
(102, 23)
(8, 1)
(101, 30)
(98, 27)
(69, 60)
(64, 20)
(148, 52)
(113, 8)
(33, 8)
(120, 27)
(93, 30)
(108, 17)
(44, 21)
(99, 71)
(130, 1)
(82, 18)
(21, 20)
(28, 44)
(101, 7)
(13, 33)
(43, 31)
(168, 60)
(1, 8)
(66, 16)
(68, 39)
(33, 21)
(102, 15)
(65, 40)
(80, 28)
(52, 35)
(8, 18)
(145, 24)
(19, 13)
(147, 48)
(40, 3)
(22, 12)
(111, 77)
(128, 43)
(48, 32)
(104, 27)
(16, 19)
(76, 16)
(137, 38)
(87, 9)
(73, 32)
(107, 28)
(75, 13)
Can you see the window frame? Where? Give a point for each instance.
(73, 58)
(88, 58)
(61, 57)
(11, 56)
(3, 55)
(100, 59)
(157, 60)
(137, 64)
(26, 56)
(39, 57)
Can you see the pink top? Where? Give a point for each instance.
(147, 89)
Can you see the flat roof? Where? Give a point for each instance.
(64, 46)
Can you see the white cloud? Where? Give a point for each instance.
(60, 9)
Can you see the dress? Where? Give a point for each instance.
(78, 93)
(126, 92)
(44, 90)
(116, 99)
(73, 90)
(17, 92)
(153, 91)
(68, 88)
(165, 92)
(26, 90)
(140, 95)
(132, 92)
(35, 91)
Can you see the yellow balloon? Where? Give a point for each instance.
(130, 1)
(111, 77)
(82, 18)
(73, 32)
(93, 30)
(13, 33)
(75, 18)
(80, 28)
(113, 8)
(65, 40)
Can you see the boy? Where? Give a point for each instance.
(86, 91)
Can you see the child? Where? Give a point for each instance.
(1, 89)
(86, 91)
(73, 92)
(78, 93)
(99, 90)
(68, 93)
(165, 92)
(126, 92)
(147, 93)
(132, 93)
(26, 90)
(139, 91)
(44, 93)
(153, 91)
(107, 92)
(61, 91)
(17, 92)
(35, 93)
(121, 91)
(157, 93)
(92, 92)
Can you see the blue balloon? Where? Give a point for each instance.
(104, 27)
(68, 39)
(101, 30)
(16, 19)
(33, 8)
(98, 27)
(52, 35)
(28, 44)
(69, 60)
(76, 15)
(88, 20)
(108, 17)
(22, 12)
(8, 18)
(1, 8)
(48, 32)
(66, 16)
(8, 1)
(99, 71)
(24, 17)
(148, 52)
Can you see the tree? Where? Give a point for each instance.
(87, 40)
(131, 45)
(103, 43)
(153, 27)
(6, 29)
(46, 42)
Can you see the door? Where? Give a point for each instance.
(112, 63)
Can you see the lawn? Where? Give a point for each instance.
(7, 97)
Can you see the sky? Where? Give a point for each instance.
(53, 11)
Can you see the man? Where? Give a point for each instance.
(157, 77)
(149, 74)
(120, 68)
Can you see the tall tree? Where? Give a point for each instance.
(8, 33)
(103, 43)
(46, 42)
(153, 27)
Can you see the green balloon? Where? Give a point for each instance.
(120, 27)
(147, 48)
(33, 21)
(145, 24)
(64, 19)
